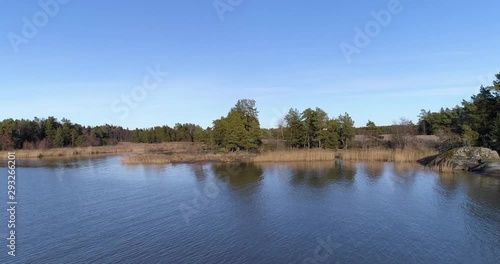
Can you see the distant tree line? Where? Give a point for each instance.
(239, 130)
(474, 123)
(387, 130)
(48, 133)
(179, 133)
(313, 128)
(41, 133)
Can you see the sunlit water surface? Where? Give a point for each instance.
(100, 211)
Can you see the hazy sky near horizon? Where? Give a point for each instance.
(89, 55)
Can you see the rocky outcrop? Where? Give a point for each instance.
(475, 159)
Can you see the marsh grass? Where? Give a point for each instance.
(442, 166)
(296, 155)
(187, 158)
(175, 152)
(69, 152)
(314, 155)
(120, 148)
(385, 155)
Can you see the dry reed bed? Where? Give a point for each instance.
(68, 152)
(296, 155)
(120, 148)
(164, 153)
(442, 167)
(385, 155)
(187, 158)
(283, 156)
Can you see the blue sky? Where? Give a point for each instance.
(284, 54)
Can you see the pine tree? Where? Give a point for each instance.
(331, 140)
(240, 130)
(346, 130)
(294, 131)
(50, 130)
(469, 136)
(59, 138)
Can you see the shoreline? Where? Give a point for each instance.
(181, 152)
(99, 151)
(311, 155)
(64, 153)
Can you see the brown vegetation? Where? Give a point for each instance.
(70, 152)
(187, 158)
(176, 152)
(120, 148)
(387, 155)
(296, 155)
(442, 167)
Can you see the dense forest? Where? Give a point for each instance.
(41, 133)
(312, 128)
(475, 122)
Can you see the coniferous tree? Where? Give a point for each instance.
(346, 130)
(294, 131)
(240, 130)
(331, 139)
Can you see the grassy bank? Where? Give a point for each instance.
(165, 153)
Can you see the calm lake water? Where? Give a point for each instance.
(100, 211)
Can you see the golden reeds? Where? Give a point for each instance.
(120, 148)
(187, 158)
(192, 152)
(385, 155)
(442, 166)
(68, 152)
(296, 155)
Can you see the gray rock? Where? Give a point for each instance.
(481, 160)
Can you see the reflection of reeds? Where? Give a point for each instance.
(299, 165)
(406, 169)
(374, 169)
(385, 155)
(443, 166)
(296, 155)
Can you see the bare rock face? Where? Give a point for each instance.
(482, 160)
(473, 153)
